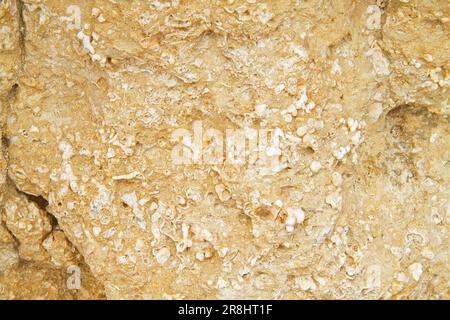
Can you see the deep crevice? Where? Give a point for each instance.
(42, 204)
(39, 201)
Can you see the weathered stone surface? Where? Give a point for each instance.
(36, 257)
(355, 206)
(9, 256)
(10, 51)
(43, 281)
(10, 56)
(29, 224)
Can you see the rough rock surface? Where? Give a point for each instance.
(354, 202)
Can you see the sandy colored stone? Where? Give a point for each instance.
(35, 256)
(29, 224)
(39, 281)
(10, 51)
(10, 61)
(9, 256)
(357, 206)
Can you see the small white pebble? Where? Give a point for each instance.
(294, 216)
(110, 154)
(95, 12)
(290, 220)
(221, 283)
(341, 152)
(287, 118)
(96, 231)
(162, 255)
(289, 228)
(336, 178)
(279, 88)
(434, 136)
(375, 111)
(200, 256)
(428, 57)
(315, 166)
(416, 270)
(223, 252)
(278, 203)
(261, 109)
(181, 200)
(153, 206)
(334, 200)
(273, 151)
(301, 131)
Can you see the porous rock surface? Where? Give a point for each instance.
(356, 205)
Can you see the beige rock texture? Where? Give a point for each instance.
(355, 203)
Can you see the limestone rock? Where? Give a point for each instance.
(36, 254)
(122, 120)
(28, 223)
